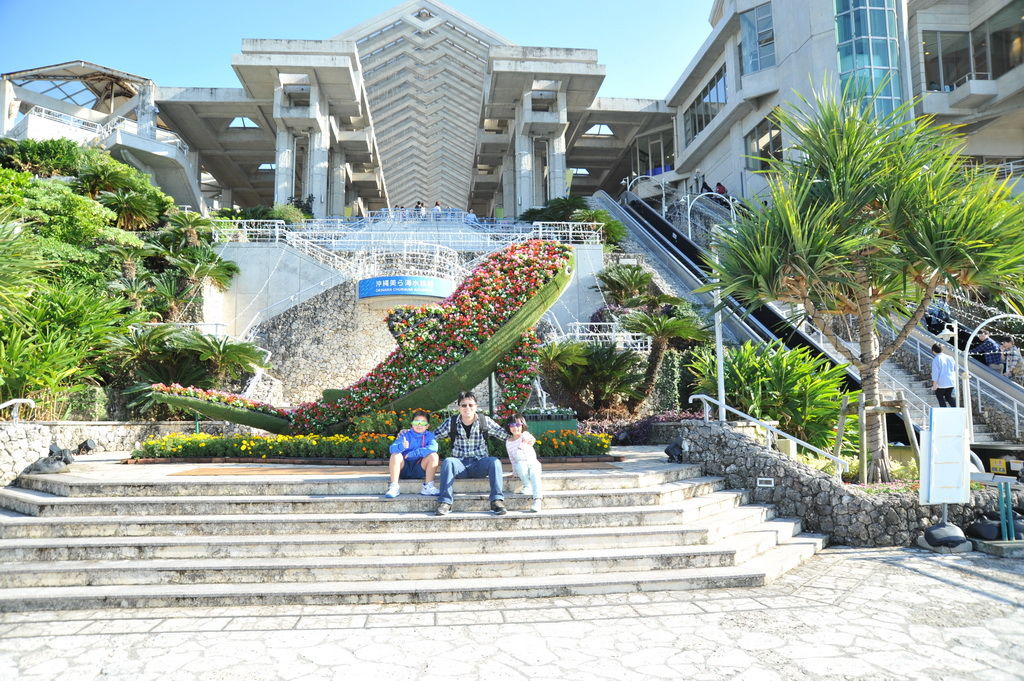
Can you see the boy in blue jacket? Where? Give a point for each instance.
(413, 457)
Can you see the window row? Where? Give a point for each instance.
(705, 107)
(994, 47)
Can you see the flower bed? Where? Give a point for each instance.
(220, 397)
(373, 446)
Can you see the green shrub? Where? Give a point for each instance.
(44, 158)
(800, 391)
(286, 212)
(666, 388)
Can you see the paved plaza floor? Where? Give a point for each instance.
(845, 614)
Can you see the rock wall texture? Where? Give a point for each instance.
(24, 442)
(328, 341)
(825, 505)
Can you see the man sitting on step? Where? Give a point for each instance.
(468, 432)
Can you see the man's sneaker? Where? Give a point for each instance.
(393, 491)
(443, 509)
(428, 490)
(498, 507)
(536, 506)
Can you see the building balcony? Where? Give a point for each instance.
(972, 91)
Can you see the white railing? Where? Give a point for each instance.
(66, 119)
(567, 232)
(607, 332)
(973, 75)
(15, 405)
(104, 129)
(1008, 169)
(841, 464)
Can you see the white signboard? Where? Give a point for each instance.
(945, 475)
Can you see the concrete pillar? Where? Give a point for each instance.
(284, 170)
(145, 111)
(318, 172)
(525, 167)
(540, 188)
(556, 167)
(226, 199)
(8, 106)
(336, 180)
(508, 187)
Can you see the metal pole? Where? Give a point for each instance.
(966, 401)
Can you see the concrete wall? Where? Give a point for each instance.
(580, 301)
(274, 277)
(24, 442)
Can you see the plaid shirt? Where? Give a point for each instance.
(474, 446)
(1012, 359)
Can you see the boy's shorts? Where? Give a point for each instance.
(413, 470)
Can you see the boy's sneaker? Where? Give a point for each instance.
(428, 490)
(393, 491)
(536, 506)
(443, 509)
(498, 507)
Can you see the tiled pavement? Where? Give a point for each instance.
(845, 614)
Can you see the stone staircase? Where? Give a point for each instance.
(901, 379)
(111, 537)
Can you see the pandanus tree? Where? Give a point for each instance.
(867, 215)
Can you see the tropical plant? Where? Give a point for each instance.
(21, 265)
(134, 210)
(625, 282)
(41, 157)
(285, 211)
(590, 378)
(800, 391)
(201, 264)
(171, 295)
(227, 357)
(661, 330)
(613, 231)
(556, 210)
(867, 216)
(194, 228)
(99, 173)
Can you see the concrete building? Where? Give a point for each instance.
(956, 58)
(422, 103)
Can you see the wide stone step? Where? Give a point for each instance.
(757, 571)
(32, 502)
(311, 484)
(343, 524)
(383, 544)
(730, 551)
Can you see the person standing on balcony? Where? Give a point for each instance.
(987, 352)
(943, 377)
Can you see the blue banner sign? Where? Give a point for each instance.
(405, 286)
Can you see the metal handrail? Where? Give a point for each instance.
(15, 406)
(973, 75)
(607, 332)
(842, 464)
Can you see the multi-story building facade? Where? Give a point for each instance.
(422, 103)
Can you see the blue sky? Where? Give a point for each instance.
(645, 45)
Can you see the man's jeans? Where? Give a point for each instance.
(485, 467)
(945, 397)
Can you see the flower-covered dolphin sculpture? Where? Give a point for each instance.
(485, 325)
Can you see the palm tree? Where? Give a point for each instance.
(192, 226)
(610, 375)
(661, 329)
(128, 256)
(134, 209)
(556, 362)
(868, 215)
(613, 230)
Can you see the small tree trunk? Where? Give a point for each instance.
(128, 269)
(880, 469)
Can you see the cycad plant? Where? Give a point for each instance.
(624, 283)
(661, 330)
(193, 227)
(134, 209)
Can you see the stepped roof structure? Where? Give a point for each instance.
(424, 67)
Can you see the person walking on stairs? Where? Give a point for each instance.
(468, 432)
(943, 377)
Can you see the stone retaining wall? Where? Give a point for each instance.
(823, 503)
(328, 341)
(24, 442)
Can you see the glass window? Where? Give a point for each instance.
(705, 106)
(867, 43)
(956, 57)
(757, 39)
(1006, 38)
(763, 142)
